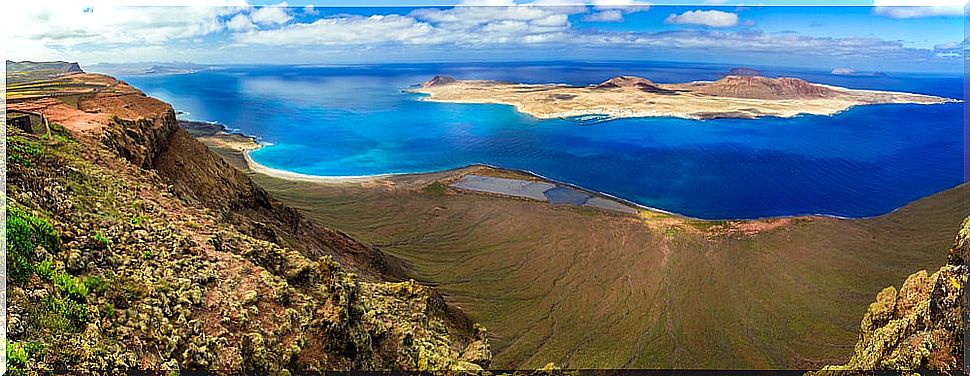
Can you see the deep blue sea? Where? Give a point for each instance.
(355, 120)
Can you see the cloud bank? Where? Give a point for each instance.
(709, 18)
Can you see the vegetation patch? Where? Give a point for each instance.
(26, 232)
(100, 240)
(23, 151)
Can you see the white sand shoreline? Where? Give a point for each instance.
(296, 176)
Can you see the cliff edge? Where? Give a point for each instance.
(131, 246)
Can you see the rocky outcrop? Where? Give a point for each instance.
(140, 140)
(920, 326)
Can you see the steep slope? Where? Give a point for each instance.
(132, 246)
(920, 326)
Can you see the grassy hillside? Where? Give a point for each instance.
(586, 288)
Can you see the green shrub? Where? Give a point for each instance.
(24, 233)
(16, 356)
(20, 251)
(56, 314)
(94, 283)
(71, 287)
(109, 310)
(45, 270)
(147, 254)
(22, 151)
(101, 240)
(65, 314)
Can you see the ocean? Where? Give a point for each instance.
(355, 120)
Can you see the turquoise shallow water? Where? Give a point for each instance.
(355, 120)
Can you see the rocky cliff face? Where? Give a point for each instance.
(132, 246)
(921, 325)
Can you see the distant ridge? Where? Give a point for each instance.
(22, 71)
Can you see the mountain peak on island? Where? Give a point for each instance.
(625, 81)
(439, 80)
(760, 87)
(635, 82)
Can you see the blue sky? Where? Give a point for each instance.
(859, 36)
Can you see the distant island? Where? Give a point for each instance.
(740, 94)
(149, 68)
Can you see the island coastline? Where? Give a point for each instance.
(733, 96)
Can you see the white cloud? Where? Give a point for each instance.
(97, 29)
(627, 6)
(605, 16)
(70, 25)
(271, 15)
(613, 10)
(459, 25)
(471, 16)
(952, 49)
(240, 22)
(711, 18)
(918, 8)
(345, 30)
